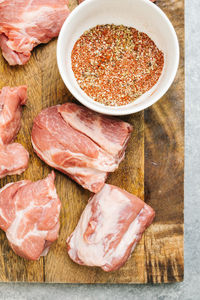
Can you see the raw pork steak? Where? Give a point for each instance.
(82, 144)
(26, 23)
(109, 229)
(29, 214)
(13, 157)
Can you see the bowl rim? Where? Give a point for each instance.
(117, 110)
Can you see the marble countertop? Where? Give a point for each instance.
(189, 289)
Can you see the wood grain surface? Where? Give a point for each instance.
(153, 169)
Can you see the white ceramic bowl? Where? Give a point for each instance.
(140, 14)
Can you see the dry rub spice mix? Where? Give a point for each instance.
(114, 65)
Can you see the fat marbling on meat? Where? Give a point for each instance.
(29, 215)
(109, 228)
(26, 23)
(109, 133)
(80, 150)
(13, 157)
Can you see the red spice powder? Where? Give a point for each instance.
(114, 65)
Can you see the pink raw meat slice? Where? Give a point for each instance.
(29, 214)
(13, 159)
(80, 151)
(26, 23)
(11, 100)
(110, 134)
(109, 229)
(13, 57)
(54, 154)
(73, 151)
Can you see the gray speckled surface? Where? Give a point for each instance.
(189, 289)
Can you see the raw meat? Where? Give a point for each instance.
(26, 23)
(29, 214)
(12, 57)
(11, 100)
(13, 159)
(98, 127)
(78, 153)
(109, 229)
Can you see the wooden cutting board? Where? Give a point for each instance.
(153, 170)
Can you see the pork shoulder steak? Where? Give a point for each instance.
(29, 215)
(109, 228)
(26, 23)
(80, 143)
